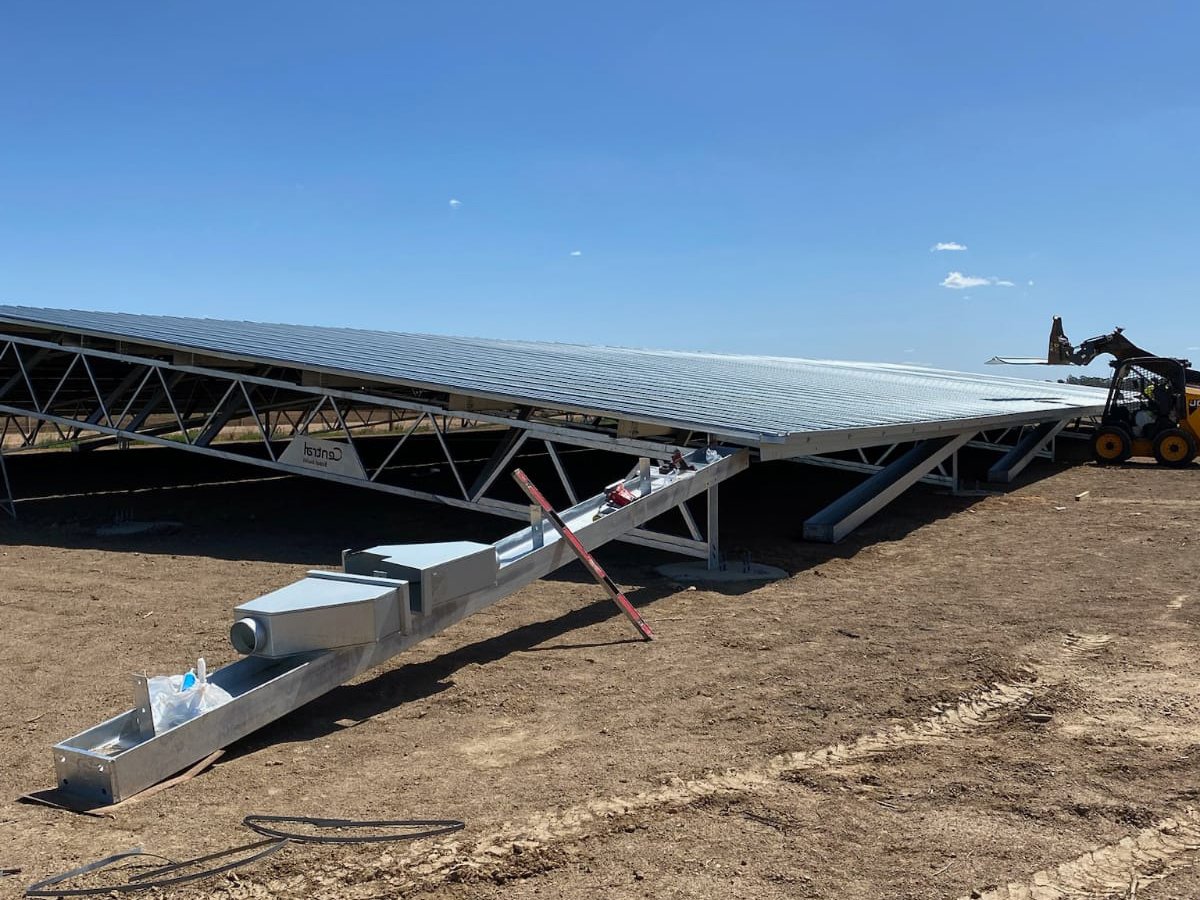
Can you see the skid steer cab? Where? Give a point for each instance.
(1151, 411)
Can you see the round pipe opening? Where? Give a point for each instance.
(247, 636)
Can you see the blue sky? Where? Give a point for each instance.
(744, 177)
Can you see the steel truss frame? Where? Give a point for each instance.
(932, 461)
(875, 459)
(88, 398)
(1004, 440)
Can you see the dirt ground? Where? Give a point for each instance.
(987, 697)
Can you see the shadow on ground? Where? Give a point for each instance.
(351, 705)
(227, 510)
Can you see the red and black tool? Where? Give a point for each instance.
(589, 561)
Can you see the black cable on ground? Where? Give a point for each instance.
(432, 828)
(275, 839)
(152, 879)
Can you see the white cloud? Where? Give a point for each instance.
(947, 245)
(455, 204)
(958, 281)
(1031, 282)
(577, 253)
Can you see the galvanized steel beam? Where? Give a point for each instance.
(1026, 450)
(837, 440)
(642, 537)
(842, 516)
(869, 468)
(7, 500)
(713, 527)
(505, 450)
(117, 758)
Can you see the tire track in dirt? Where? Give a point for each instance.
(530, 847)
(1114, 870)
(518, 847)
(1085, 644)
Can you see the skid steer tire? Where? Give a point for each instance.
(1174, 447)
(1112, 445)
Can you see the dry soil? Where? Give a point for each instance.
(972, 697)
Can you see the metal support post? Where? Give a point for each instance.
(7, 501)
(1024, 452)
(713, 528)
(842, 516)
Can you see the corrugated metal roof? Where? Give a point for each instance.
(757, 398)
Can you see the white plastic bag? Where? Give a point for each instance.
(174, 699)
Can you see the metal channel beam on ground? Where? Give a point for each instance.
(125, 755)
(842, 516)
(1028, 448)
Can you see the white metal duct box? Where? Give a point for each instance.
(435, 572)
(321, 612)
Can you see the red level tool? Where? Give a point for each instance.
(586, 558)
